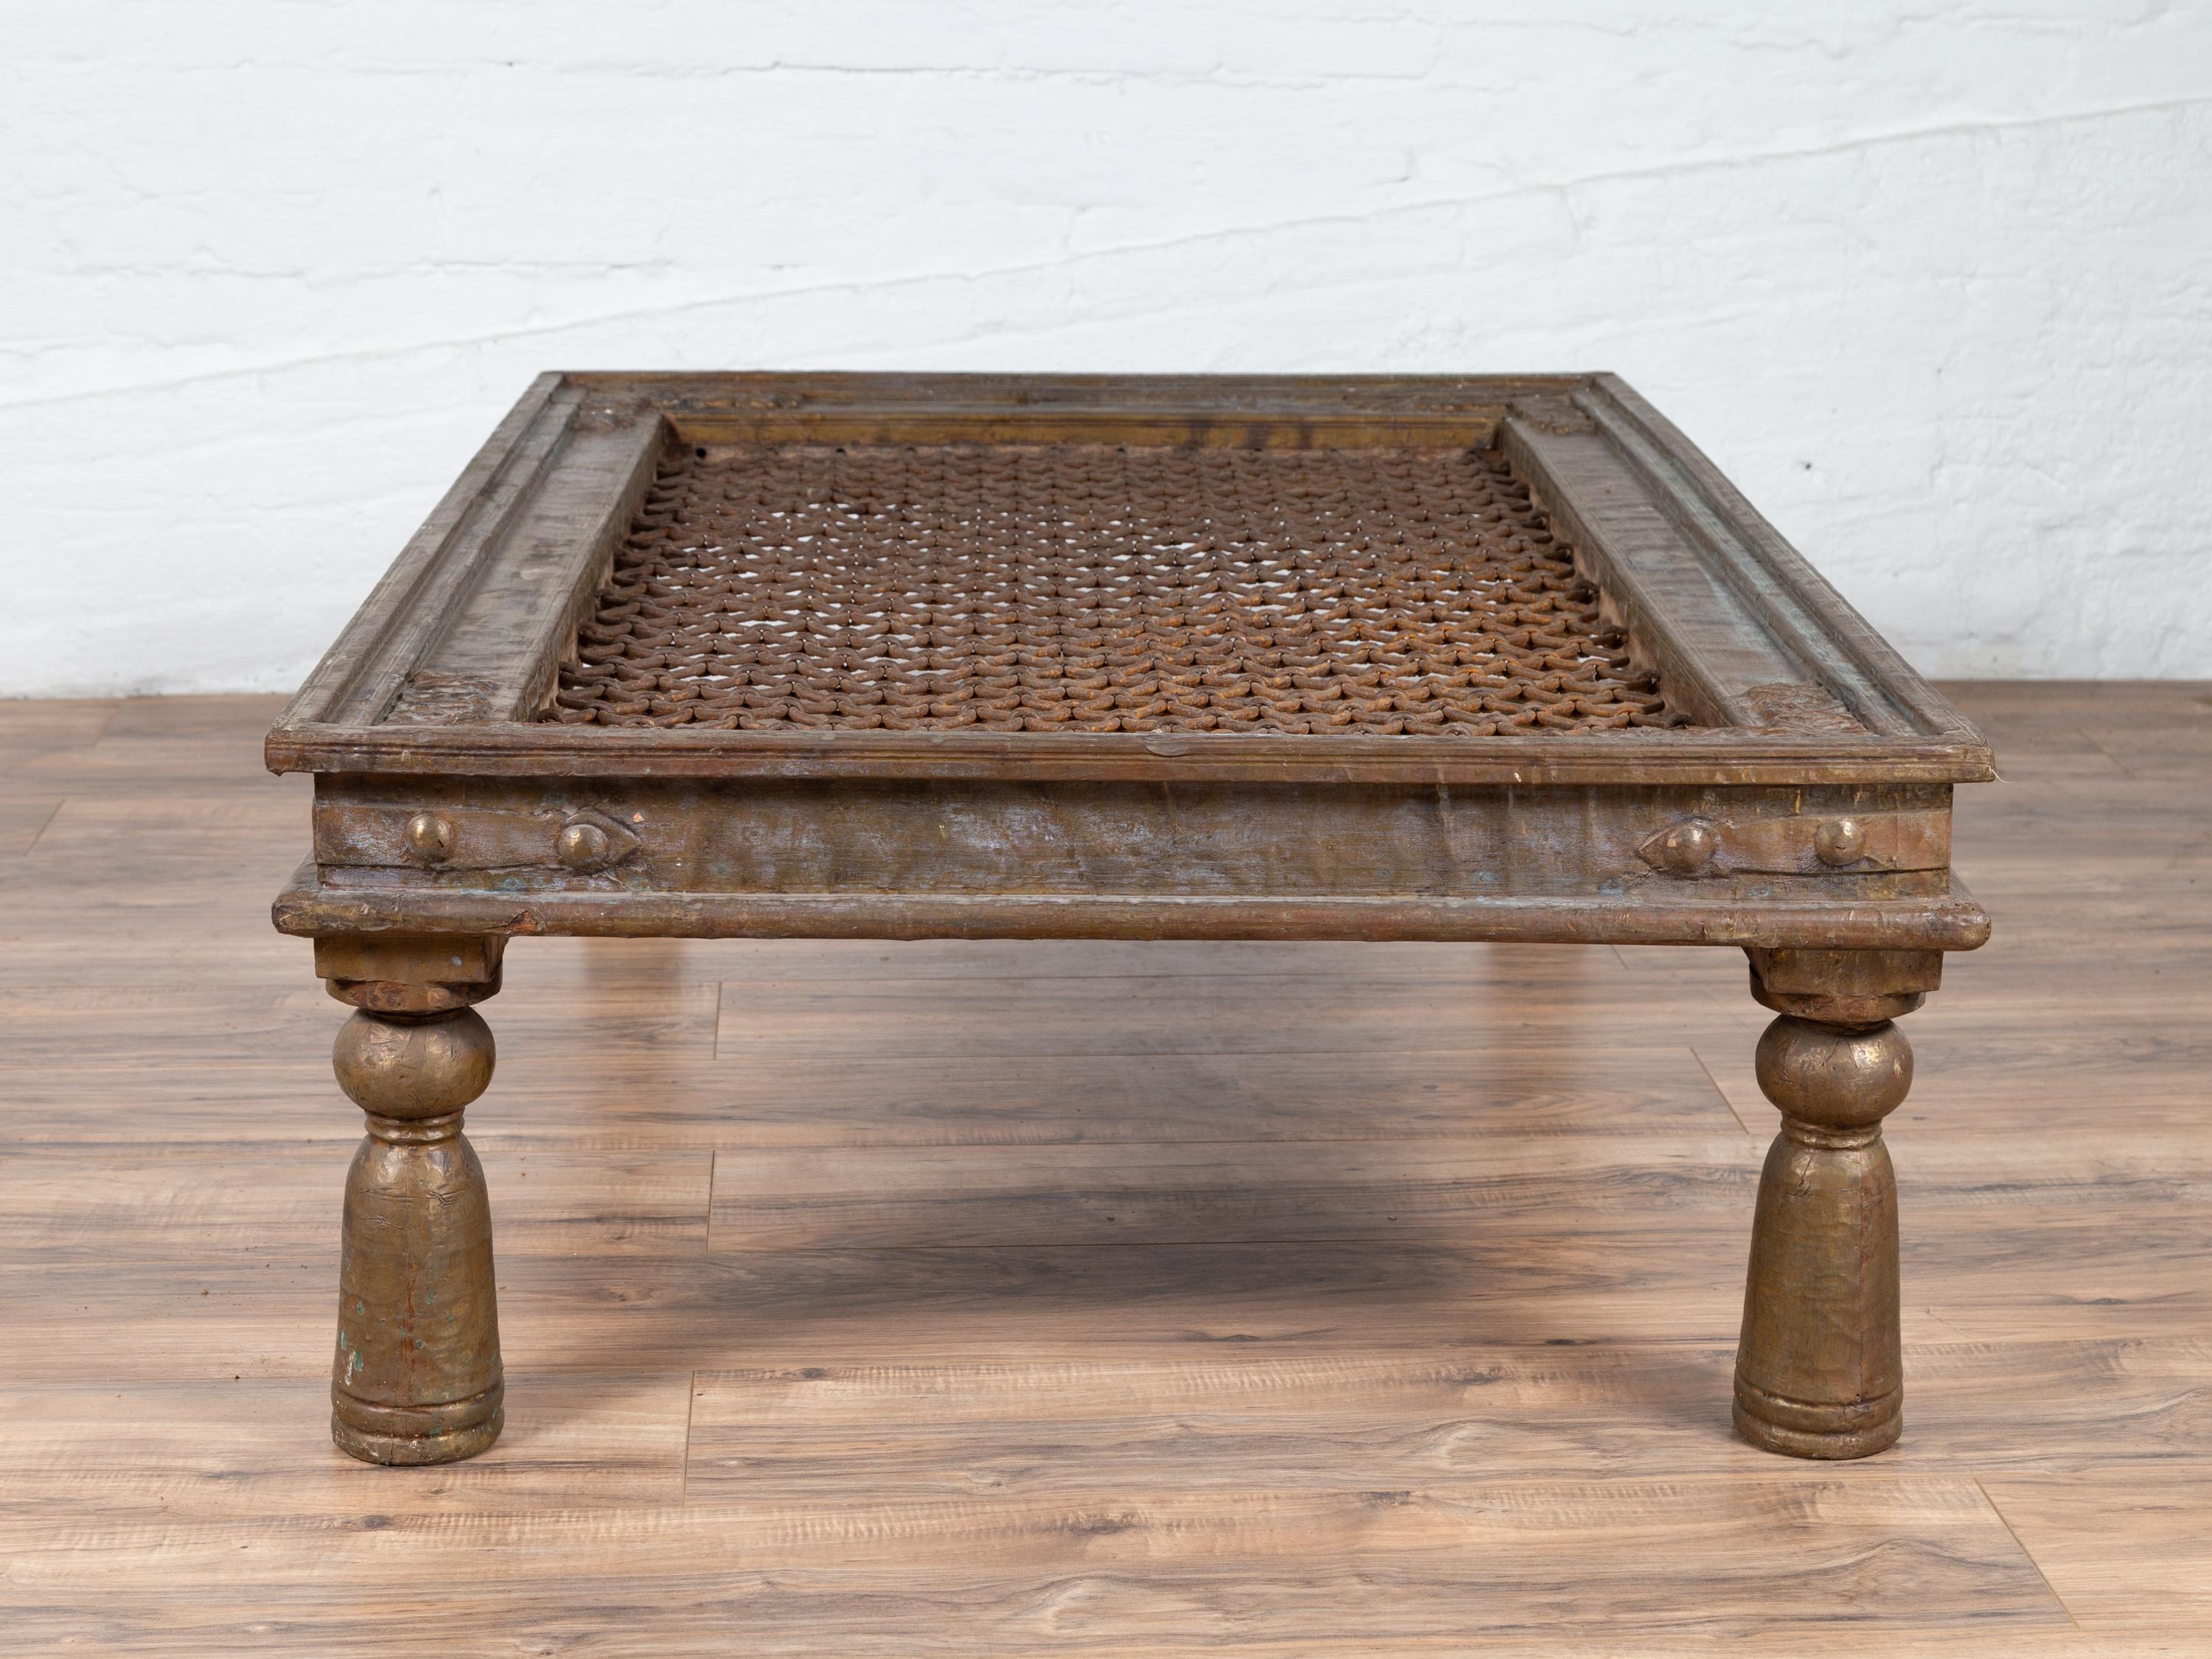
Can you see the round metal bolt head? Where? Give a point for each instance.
(583, 847)
(1841, 840)
(1687, 848)
(430, 837)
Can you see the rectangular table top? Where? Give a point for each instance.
(1471, 580)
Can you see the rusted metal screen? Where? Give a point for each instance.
(1099, 588)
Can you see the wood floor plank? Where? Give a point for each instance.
(955, 1429)
(2045, 1406)
(140, 1207)
(218, 924)
(75, 720)
(32, 729)
(1341, 1571)
(1501, 1089)
(259, 1446)
(635, 1097)
(2152, 705)
(2159, 729)
(23, 819)
(67, 924)
(951, 1429)
(239, 718)
(2134, 1079)
(116, 1025)
(1143, 1192)
(219, 827)
(150, 765)
(1209, 1014)
(2124, 1547)
(219, 1312)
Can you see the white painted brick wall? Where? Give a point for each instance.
(1933, 281)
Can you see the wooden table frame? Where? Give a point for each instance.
(1804, 817)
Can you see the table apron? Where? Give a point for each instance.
(960, 857)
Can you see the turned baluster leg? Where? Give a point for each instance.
(1818, 1373)
(416, 1377)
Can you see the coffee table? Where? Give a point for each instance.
(1081, 657)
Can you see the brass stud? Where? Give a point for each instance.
(1840, 841)
(583, 847)
(430, 837)
(1687, 849)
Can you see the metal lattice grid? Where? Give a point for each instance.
(1056, 587)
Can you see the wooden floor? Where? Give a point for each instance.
(1099, 1298)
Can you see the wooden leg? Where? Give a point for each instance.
(1818, 1373)
(416, 1377)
